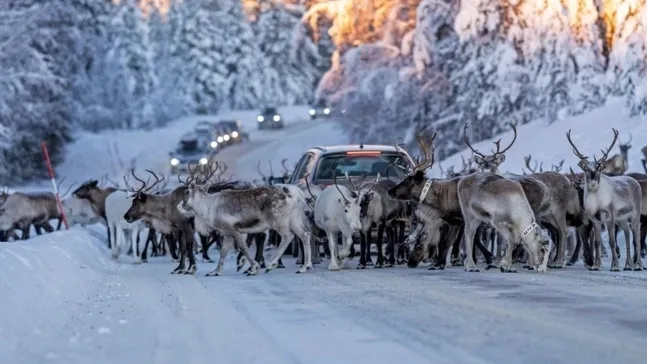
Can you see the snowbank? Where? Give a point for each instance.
(590, 132)
(43, 281)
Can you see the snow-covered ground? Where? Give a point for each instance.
(63, 300)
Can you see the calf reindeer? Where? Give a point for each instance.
(609, 200)
(618, 164)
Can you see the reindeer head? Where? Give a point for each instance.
(86, 189)
(351, 207)
(366, 195)
(140, 196)
(4, 194)
(410, 188)
(492, 161)
(196, 185)
(592, 169)
(624, 147)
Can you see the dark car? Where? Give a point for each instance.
(270, 118)
(237, 134)
(321, 163)
(319, 110)
(192, 147)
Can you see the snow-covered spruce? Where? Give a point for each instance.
(337, 210)
(255, 210)
(22, 209)
(611, 200)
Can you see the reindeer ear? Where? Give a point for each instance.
(583, 164)
(499, 159)
(94, 183)
(478, 159)
(419, 176)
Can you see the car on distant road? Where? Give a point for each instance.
(319, 110)
(237, 133)
(320, 164)
(269, 118)
(192, 147)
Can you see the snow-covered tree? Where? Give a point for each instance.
(132, 54)
(282, 73)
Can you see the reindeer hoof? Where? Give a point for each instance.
(280, 265)
(491, 266)
(213, 274)
(628, 267)
(369, 263)
(569, 263)
(144, 260)
(614, 269)
(361, 266)
(530, 267)
(472, 269)
(436, 267)
(205, 260)
(508, 270)
(388, 265)
(639, 269)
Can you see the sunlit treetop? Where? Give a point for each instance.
(148, 6)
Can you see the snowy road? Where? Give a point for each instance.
(143, 314)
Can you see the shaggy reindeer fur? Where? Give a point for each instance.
(162, 213)
(22, 209)
(117, 203)
(337, 210)
(79, 211)
(255, 210)
(610, 200)
(91, 191)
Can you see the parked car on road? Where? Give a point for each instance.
(320, 164)
(192, 147)
(269, 118)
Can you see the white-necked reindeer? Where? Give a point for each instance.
(609, 200)
(255, 210)
(337, 209)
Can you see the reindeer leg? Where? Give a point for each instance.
(390, 244)
(189, 239)
(240, 258)
(369, 243)
(144, 253)
(401, 258)
(456, 260)
(575, 254)
(597, 250)
(611, 227)
(224, 250)
(183, 252)
(469, 235)
(638, 263)
(644, 162)
(38, 228)
(205, 242)
(172, 241)
(486, 253)
(627, 234)
(362, 250)
(259, 240)
(380, 251)
(643, 235)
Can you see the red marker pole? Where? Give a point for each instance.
(51, 175)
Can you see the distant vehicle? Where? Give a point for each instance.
(208, 132)
(237, 134)
(191, 148)
(269, 118)
(319, 110)
(320, 164)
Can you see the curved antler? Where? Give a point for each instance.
(575, 150)
(308, 187)
(605, 154)
(428, 161)
(334, 180)
(558, 167)
(498, 146)
(285, 169)
(258, 168)
(468, 142)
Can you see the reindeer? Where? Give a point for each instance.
(438, 204)
(609, 200)
(96, 195)
(22, 209)
(161, 212)
(254, 210)
(618, 164)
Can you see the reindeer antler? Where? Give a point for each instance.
(271, 170)
(145, 187)
(575, 150)
(497, 143)
(192, 174)
(428, 161)
(223, 169)
(308, 187)
(258, 168)
(210, 170)
(558, 167)
(527, 159)
(334, 181)
(285, 169)
(605, 154)
(468, 142)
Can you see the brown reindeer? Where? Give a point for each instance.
(618, 164)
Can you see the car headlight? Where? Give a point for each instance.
(226, 137)
(234, 134)
(260, 119)
(203, 161)
(219, 139)
(174, 161)
(277, 118)
(326, 111)
(343, 111)
(214, 144)
(312, 112)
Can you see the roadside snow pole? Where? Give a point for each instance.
(51, 175)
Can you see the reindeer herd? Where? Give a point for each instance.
(540, 219)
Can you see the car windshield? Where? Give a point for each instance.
(188, 146)
(269, 111)
(360, 164)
